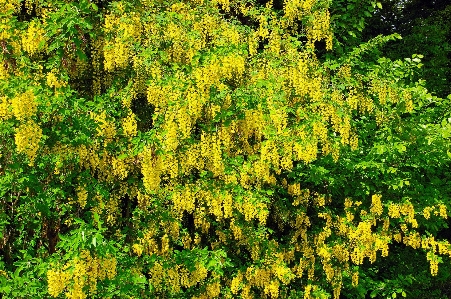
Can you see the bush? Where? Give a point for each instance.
(202, 149)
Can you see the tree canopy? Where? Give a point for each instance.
(219, 149)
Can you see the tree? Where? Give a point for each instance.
(202, 149)
(424, 27)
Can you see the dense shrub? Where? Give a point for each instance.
(202, 149)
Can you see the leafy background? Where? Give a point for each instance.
(203, 149)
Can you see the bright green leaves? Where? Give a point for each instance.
(69, 28)
(246, 148)
(349, 17)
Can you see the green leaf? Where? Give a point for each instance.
(379, 5)
(96, 217)
(211, 264)
(81, 55)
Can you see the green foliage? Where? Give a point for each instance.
(425, 28)
(206, 149)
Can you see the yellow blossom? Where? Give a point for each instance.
(82, 195)
(27, 138)
(4, 108)
(33, 38)
(442, 211)
(355, 279)
(427, 212)
(57, 281)
(24, 105)
(376, 205)
(52, 80)
(236, 281)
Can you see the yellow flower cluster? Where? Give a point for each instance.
(82, 195)
(320, 130)
(212, 153)
(213, 290)
(380, 90)
(279, 118)
(4, 74)
(252, 208)
(57, 281)
(354, 142)
(444, 247)
(355, 278)
(24, 105)
(129, 125)
(8, 6)
(302, 79)
(82, 271)
(306, 152)
(353, 99)
(120, 168)
(427, 212)
(138, 249)
(439, 209)
(151, 169)
(225, 4)
(27, 138)
(394, 210)
(345, 71)
(89, 157)
(320, 29)
(272, 289)
(112, 210)
(235, 285)
(148, 242)
(376, 205)
(295, 9)
(176, 277)
(433, 262)
(442, 211)
(125, 29)
(366, 243)
(4, 108)
(307, 290)
(407, 96)
(226, 67)
(405, 209)
(251, 126)
(52, 81)
(106, 128)
(143, 200)
(413, 240)
(170, 140)
(34, 38)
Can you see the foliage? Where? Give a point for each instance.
(201, 149)
(351, 17)
(425, 28)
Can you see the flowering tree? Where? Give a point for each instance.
(203, 149)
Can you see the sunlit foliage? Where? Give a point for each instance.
(203, 149)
